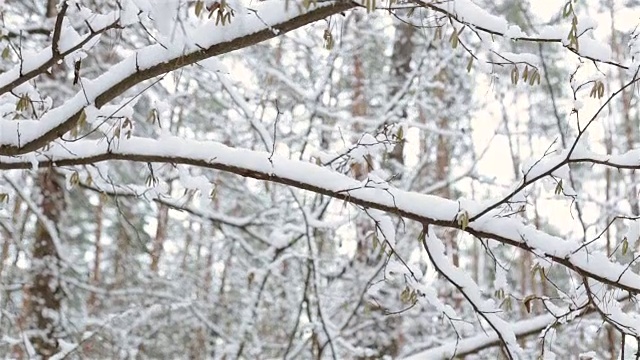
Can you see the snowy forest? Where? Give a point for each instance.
(319, 179)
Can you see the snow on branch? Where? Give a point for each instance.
(462, 281)
(264, 22)
(466, 12)
(426, 209)
(22, 136)
(521, 329)
(66, 41)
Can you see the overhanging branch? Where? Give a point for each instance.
(128, 73)
(426, 209)
(522, 329)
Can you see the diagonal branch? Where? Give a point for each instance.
(545, 168)
(19, 137)
(57, 29)
(522, 329)
(469, 289)
(500, 27)
(611, 312)
(42, 62)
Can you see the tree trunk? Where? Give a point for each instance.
(403, 48)
(45, 294)
(95, 278)
(161, 234)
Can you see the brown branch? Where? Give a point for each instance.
(191, 58)
(57, 30)
(178, 62)
(624, 330)
(437, 7)
(268, 173)
(32, 31)
(437, 266)
(522, 329)
(24, 77)
(526, 181)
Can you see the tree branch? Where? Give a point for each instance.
(19, 137)
(493, 29)
(426, 209)
(522, 328)
(19, 75)
(57, 30)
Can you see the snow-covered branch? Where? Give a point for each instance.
(22, 136)
(521, 329)
(426, 209)
(287, 182)
(468, 13)
(469, 289)
(37, 64)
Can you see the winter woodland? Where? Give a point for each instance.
(319, 179)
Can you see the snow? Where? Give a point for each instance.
(385, 228)
(521, 327)
(308, 175)
(607, 304)
(514, 31)
(68, 40)
(164, 13)
(18, 133)
(69, 37)
(468, 11)
(500, 281)
(594, 49)
(479, 341)
(632, 234)
(465, 284)
(206, 36)
(534, 168)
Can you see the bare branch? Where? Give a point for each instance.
(57, 30)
